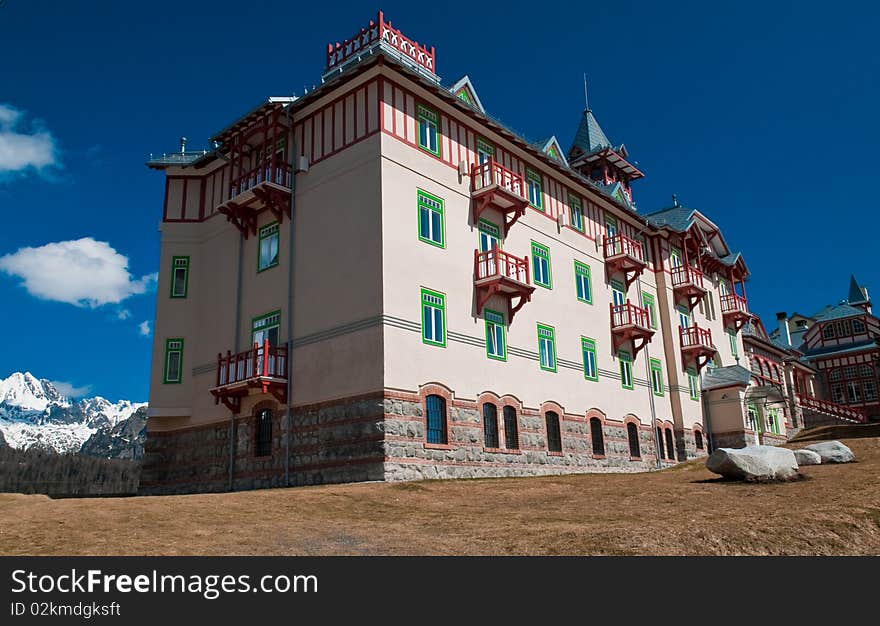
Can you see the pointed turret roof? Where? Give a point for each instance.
(856, 293)
(590, 136)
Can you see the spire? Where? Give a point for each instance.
(857, 294)
(589, 137)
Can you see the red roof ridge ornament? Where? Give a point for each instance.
(380, 34)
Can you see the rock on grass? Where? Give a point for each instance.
(754, 463)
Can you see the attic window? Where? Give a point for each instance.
(464, 96)
(801, 323)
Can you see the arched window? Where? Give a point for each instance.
(263, 433)
(698, 439)
(554, 435)
(511, 430)
(632, 433)
(436, 422)
(490, 425)
(597, 436)
(670, 447)
(661, 452)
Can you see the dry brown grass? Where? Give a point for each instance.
(684, 510)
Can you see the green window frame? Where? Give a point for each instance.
(576, 208)
(173, 370)
(541, 271)
(433, 318)
(463, 95)
(656, 377)
(675, 257)
(179, 276)
(484, 148)
(496, 331)
(267, 247)
(618, 293)
(432, 219)
(734, 349)
(626, 369)
(583, 283)
(547, 347)
(536, 189)
(648, 303)
(693, 384)
(264, 325)
(429, 139)
(591, 368)
(489, 233)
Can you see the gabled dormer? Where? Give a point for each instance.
(552, 149)
(463, 89)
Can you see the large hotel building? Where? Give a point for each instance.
(379, 281)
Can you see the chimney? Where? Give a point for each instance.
(182, 145)
(784, 334)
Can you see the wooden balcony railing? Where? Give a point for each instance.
(629, 314)
(278, 173)
(685, 276)
(622, 245)
(496, 263)
(493, 173)
(831, 408)
(694, 336)
(261, 361)
(734, 303)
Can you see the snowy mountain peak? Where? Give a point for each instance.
(34, 413)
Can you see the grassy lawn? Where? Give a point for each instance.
(682, 511)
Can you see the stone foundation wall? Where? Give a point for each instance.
(687, 445)
(733, 439)
(409, 457)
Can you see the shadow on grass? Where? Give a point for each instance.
(742, 481)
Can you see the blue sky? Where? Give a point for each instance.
(762, 114)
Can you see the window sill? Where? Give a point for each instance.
(599, 456)
(635, 458)
(549, 453)
(438, 446)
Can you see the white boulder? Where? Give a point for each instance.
(807, 457)
(832, 452)
(754, 463)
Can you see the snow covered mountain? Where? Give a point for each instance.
(34, 414)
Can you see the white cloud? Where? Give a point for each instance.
(123, 314)
(24, 146)
(69, 390)
(144, 328)
(82, 272)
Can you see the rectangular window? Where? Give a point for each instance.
(684, 317)
(173, 360)
(433, 318)
(577, 213)
(588, 349)
(536, 194)
(179, 276)
(547, 347)
(490, 235)
(428, 139)
(268, 247)
(734, 350)
(618, 293)
(485, 150)
(648, 303)
(496, 347)
(693, 384)
(657, 377)
(675, 257)
(431, 219)
(626, 369)
(541, 265)
(610, 227)
(266, 327)
(582, 282)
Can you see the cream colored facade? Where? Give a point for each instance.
(348, 286)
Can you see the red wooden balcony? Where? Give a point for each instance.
(624, 255)
(262, 367)
(838, 411)
(493, 186)
(697, 347)
(687, 284)
(266, 186)
(630, 323)
(499, 273)
(735, 310)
